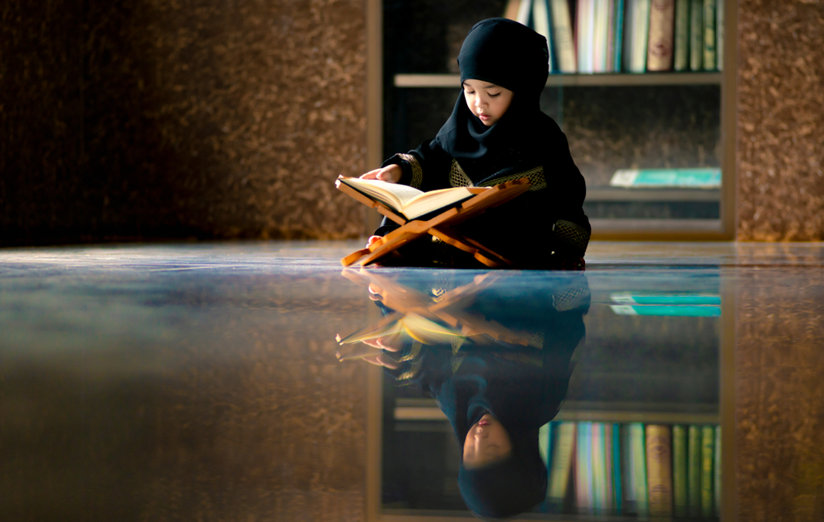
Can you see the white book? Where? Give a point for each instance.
(562, 37)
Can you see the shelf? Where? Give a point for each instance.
(657, 195)
(576, 80)
(417, 411)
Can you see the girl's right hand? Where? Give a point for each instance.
(390, 174)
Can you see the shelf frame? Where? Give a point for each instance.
(412, 81)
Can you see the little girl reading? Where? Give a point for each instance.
(497, 132)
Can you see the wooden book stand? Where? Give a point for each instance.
(440, 226)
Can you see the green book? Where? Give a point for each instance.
(717, 471)
(679, 470)
(618, 35)
(710, 54)
(696, 35)
(694, 470)
(707, 450)
(600, 504)
(636, 500)
(617, 470)
(681, 41)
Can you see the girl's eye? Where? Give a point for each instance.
(493, 95)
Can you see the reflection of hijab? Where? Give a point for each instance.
(521, 386)
(509, 54)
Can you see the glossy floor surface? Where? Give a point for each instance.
(238, 381)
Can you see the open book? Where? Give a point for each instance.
(408, 201)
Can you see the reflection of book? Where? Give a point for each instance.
(416, 326)
(563, 447)
(583, 468)
(707, 450)
(601, 467)
(679, 470)
(635, 462)
(659, 469)
(694, 470)
(406, 200)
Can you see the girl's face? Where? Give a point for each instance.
(486, 442)
(487, 101)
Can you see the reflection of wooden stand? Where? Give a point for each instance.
(449, 309)
(439, 226)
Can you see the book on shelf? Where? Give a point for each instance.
(616, 35)
(584, 35)
(696, 35)
(699, 177)
(636, 35)
(719, 35)
(542, 25)
(513, 7)
(518, 10)
(661, 35)
(633, 36)
(709, 35)
(562, 37)
(681, 36)
(408, 201)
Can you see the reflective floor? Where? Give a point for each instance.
(260, 381)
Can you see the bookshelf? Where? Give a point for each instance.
(614, 119)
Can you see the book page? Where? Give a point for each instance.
(433, 200)
(407, 200)
(393, 194)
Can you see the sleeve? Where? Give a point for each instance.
(425, 168)
(565, 192)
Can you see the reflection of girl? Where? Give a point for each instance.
(497, 397)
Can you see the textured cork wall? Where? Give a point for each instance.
(229, 119)
(780, 157)
(157, 119)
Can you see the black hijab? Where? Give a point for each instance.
(509, 54)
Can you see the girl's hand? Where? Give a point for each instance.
(390, 173)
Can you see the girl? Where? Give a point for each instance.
(496, 133)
